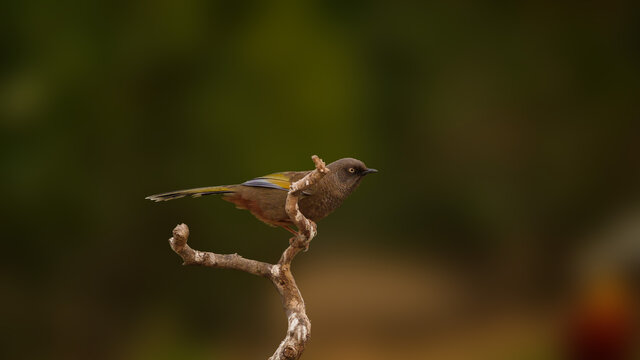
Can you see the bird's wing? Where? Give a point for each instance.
(280, 181)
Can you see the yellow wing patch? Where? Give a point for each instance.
(278, 181)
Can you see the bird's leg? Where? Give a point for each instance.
(295, 238)
(295, 233)
(289, 229)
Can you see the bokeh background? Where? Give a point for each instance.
(504, 222)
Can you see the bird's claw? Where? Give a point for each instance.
(299, 242)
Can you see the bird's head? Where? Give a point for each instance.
(348, 172)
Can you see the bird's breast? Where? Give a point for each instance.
(318, 205)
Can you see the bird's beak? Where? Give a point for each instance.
(369, 171)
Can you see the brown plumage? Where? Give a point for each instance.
(265, 196)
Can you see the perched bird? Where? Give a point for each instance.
(265, 196)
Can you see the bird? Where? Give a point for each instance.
(265, 196)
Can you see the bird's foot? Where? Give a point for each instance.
(299, 242)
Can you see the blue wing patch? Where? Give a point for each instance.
(263, 183)
(279, 181)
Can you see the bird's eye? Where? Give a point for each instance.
(352, 170)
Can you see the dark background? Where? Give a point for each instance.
(507, 138)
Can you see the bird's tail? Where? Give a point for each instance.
(191, 192)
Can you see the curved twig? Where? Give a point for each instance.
(299, 326)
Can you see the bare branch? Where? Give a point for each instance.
(221, 261)
(299, 326)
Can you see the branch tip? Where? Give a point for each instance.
(181, 230)
(320, 165)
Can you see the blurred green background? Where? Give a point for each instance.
(507, 138)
